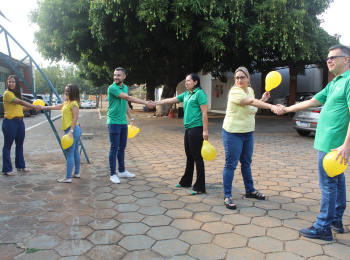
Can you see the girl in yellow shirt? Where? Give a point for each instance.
(70, 126)
(13, 126)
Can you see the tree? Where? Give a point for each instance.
(160, 41)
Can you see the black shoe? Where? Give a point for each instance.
(322, 233)
(337, 226)
(229, 203)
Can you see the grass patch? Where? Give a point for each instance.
(33, 250)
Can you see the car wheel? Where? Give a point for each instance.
(303, 133)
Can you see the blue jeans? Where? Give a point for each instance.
(73, 155)
(333, 199)
(118, 136)
(238, 147)
(13, 130)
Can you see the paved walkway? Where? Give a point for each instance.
(147, 217)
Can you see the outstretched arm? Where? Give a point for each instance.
(57, 107)
(256, 103)
(134, 99)
(167, 101)
(26, 104)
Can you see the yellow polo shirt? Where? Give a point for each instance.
(11, 109)
(239, 119)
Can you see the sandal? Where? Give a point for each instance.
(9, 173)
(194, 192)
(23, 170)
(229, 203)
(257, 195)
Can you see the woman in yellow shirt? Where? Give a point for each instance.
(13, 126)
(237, 134)
(70, 126)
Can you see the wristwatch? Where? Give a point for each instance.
(131, 119)
(72, 131)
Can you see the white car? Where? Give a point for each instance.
(88, 104)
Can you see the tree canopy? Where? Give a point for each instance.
(160, 41)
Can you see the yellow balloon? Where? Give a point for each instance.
(66, 141)
(39, 102)
(132, 131)
(208, 151)
(331, 166)
(273, 79)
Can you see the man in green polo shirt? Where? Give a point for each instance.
(332, 134)
(118, 108)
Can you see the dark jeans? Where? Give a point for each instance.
(118, 136)
(193, 147)
(13, 130)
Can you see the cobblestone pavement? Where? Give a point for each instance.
(147, 217)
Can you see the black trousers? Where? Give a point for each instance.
(193, 147)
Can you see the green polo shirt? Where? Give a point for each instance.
(334, 118)
(192, 107)
(117, 106)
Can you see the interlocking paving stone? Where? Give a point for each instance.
(152, 210)
(195, 237)
(9, 251)
(186, 224)
(249, 230)
(337, 251)
(283, 256)
(179, 213)
(207, 251)
(40, 255)
(43, 242)
(252, 212)
(217, 227)
(104, 224)
(127, 207)
(282, 214)
(170, 247)
(283, 233)
(129, 217)
(265, 244)
(105, 237)
(304, 248)
(143, 254)
(137, 242)
(244, 254)
(76, 232)
(230, 240)
(161, 233)
(159, 220)
(106, 252)
(266, 221)
(15, 236)
(133, 228)
(207, 216)
(73, 247)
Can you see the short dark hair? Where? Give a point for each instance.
(345, 50)
(121, 69)
(17, 90)
(73, 92)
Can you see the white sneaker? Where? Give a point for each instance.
(65, 180)
(126, 174)
(76, 175)
(114, 178)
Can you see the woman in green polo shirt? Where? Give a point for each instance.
(237, 134)
(196, 124)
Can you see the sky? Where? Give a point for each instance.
(335, 22)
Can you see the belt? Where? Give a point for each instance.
(17, 117)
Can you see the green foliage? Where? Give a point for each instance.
(33, 250)
(160, 41)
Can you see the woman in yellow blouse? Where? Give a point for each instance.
(237, 134)
(70, 126)
(13, 126)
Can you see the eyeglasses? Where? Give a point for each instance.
(241, 77)
(66, 91)
(333, 57)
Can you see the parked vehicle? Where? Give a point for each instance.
(305, 122)
(31, 111)
(88, 104)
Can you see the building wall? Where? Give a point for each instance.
(311, 81)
